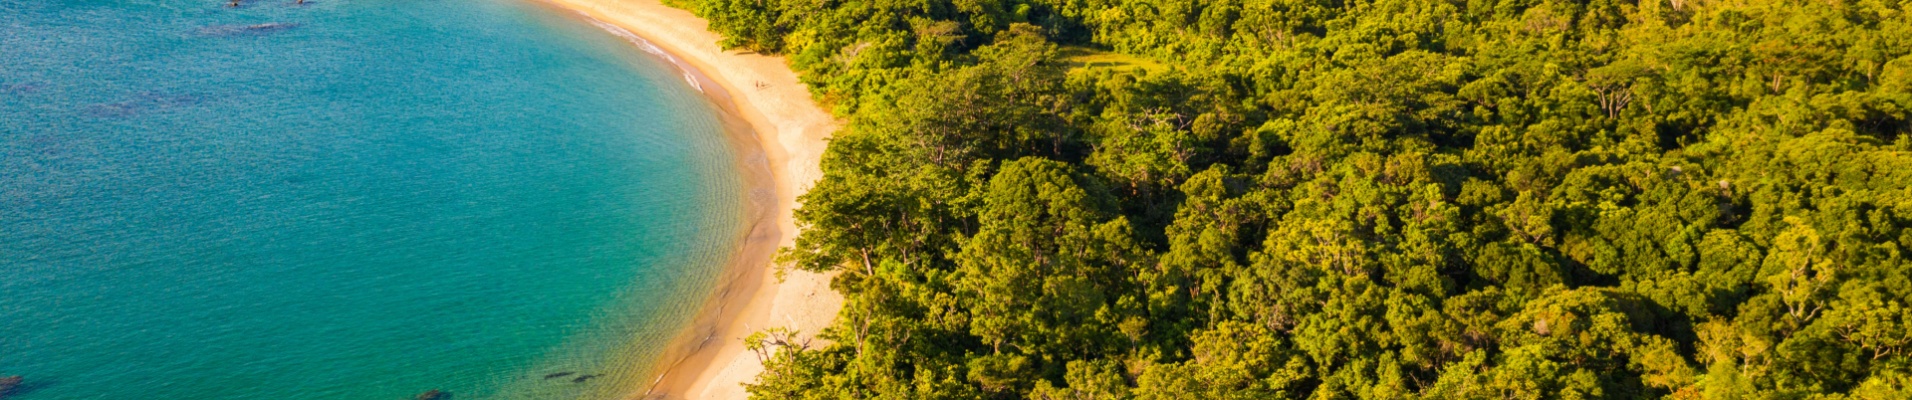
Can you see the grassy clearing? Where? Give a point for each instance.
(1087, 58)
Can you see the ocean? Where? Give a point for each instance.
(346, 199)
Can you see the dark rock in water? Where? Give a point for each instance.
(7, 384)
(270, 26)
(558, 375)
(22, 88)
(116, 110)
(585, 377)
(435, 394)
(255, 29)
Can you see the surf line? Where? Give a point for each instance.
(648, 47)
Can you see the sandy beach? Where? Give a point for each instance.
(709, 360)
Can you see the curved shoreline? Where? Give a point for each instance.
(779, 133)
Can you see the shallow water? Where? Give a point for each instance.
(345, 200)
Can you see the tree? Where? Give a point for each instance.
(1114, 199)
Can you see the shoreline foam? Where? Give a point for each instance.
(780, 134)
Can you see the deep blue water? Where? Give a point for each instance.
(349, 199)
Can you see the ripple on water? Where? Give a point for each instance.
(346, 200)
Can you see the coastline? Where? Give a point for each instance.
(779, 133)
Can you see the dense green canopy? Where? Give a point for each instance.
(1234, 199)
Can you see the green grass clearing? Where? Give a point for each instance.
(1086, 58)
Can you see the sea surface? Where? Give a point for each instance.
(346, 199)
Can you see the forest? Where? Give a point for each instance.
(1351, 199)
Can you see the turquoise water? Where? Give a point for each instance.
(345, 200)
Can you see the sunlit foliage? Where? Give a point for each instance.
(1691, 199)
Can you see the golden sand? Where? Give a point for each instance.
(709, 360)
